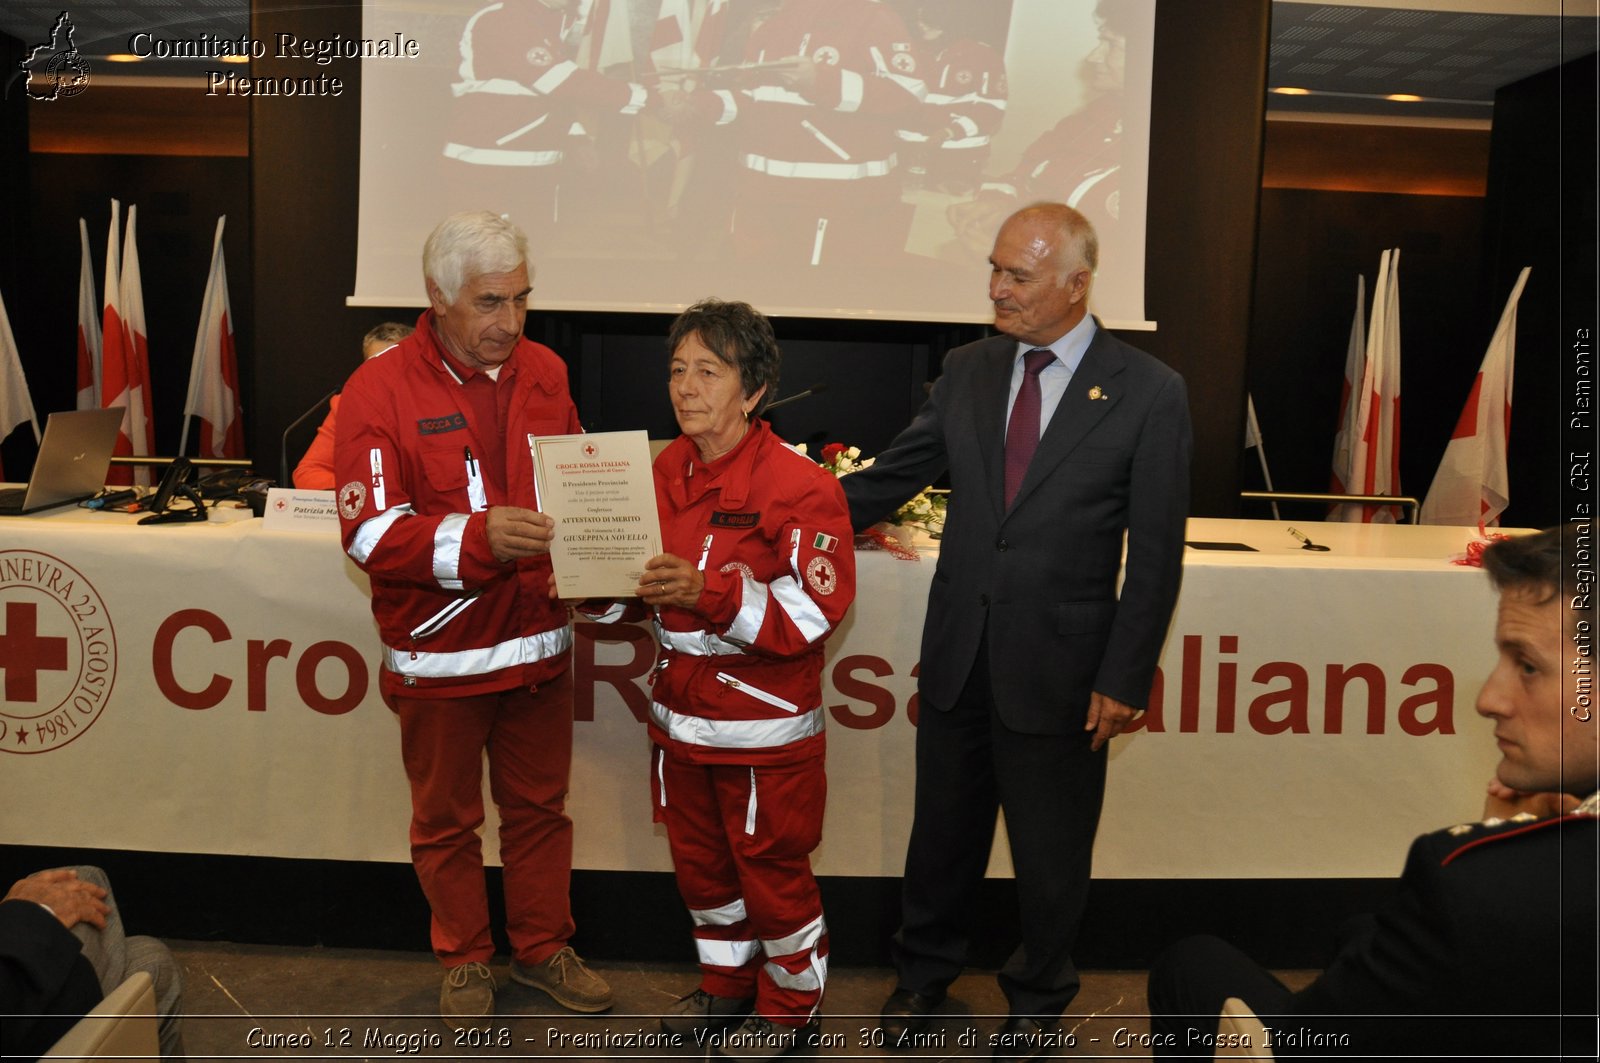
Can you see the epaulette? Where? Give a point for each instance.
(1491, 830)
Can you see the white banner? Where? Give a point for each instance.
(212, 688)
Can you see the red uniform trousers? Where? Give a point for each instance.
(741, 839)
(528, 736)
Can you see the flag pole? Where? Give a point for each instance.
(1252, 430)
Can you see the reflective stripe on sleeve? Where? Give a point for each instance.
(371, 531)
(799, 608)
(851, 90)
(752, 614)
(466, 68)
(638, 96)
(736, 734)
(480, 661)
(555, 77)
(964, 143)
(730, 107)
(722, 915)
(447, 539)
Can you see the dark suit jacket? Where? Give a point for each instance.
(1041, 578)
(42, 973)
(1488, 921)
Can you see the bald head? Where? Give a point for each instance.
(1041, 272)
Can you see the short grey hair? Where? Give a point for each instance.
(471, 244)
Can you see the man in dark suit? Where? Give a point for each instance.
(62, 948)
(1488, 947)
(1058, 438)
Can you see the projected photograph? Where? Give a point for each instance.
(825, 158)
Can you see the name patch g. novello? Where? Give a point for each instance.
(720, 519)
(58, 652)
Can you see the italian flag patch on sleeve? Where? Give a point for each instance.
(825, 542)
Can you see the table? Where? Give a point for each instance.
(211, 688)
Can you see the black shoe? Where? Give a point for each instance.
(700, 1012)
(905, 1014)
(1021, 1037)
(758, 1039)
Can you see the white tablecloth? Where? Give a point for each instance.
(211, 688)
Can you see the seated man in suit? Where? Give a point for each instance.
(1487, 948)
(62, 949)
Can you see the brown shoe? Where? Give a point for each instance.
(568, 980)
(467, 996)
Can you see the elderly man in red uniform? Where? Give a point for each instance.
(437, 505)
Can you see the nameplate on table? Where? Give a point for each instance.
(296, 509)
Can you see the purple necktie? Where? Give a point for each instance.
(1022, 433)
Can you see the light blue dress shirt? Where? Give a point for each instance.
(1053, 378)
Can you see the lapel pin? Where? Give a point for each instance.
(1095, 393)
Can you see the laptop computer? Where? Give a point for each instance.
(72, 463)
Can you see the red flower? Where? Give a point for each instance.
(831, 452)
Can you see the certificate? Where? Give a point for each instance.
(600, 490)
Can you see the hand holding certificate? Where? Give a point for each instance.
(600, 490)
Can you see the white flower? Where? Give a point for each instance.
(853, 453)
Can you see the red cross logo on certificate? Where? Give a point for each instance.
(589, 450)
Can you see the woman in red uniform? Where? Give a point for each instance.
(758, 572)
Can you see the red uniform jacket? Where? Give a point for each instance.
(739, 679)
(453, 620)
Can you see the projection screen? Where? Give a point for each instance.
(819, 158)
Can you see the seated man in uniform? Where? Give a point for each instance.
(1487, 949)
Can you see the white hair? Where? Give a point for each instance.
(470, 244)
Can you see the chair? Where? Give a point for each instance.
(123, 1026)
(1240, 1035)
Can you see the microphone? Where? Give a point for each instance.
(1306, 544)
(815, 389)
(283, 444)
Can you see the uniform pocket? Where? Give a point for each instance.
(446, 469)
